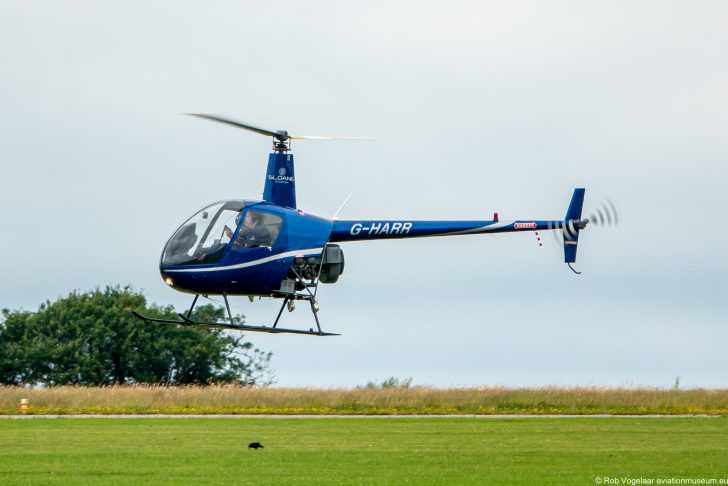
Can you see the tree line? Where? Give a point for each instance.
(91, 338)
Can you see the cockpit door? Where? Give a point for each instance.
(259, 229)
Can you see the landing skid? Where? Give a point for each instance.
(185, 320)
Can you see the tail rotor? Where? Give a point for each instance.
(604, 215)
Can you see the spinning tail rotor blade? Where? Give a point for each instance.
(570, 230)
(555, 234)
(605, 214)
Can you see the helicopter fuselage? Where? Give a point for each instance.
(213, 263)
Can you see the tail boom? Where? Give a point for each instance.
(361, 230)
(365, 230)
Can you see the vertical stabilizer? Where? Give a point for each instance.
(572, 225)
(280, 182)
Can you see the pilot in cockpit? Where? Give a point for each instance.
(253, 233)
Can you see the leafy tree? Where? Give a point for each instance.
(92, 338)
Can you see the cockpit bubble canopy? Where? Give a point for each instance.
(204, 237)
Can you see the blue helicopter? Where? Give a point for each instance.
(270, 248)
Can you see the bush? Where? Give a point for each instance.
(91, 338)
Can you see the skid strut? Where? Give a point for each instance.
(186, 319)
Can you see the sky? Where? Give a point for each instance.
(475, 107)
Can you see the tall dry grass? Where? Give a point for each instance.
(419, 400)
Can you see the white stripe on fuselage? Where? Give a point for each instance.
(481, 229)
(502, 224)
(277, 256)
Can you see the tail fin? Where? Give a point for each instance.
(572, 224)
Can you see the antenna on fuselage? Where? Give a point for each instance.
(336, 214)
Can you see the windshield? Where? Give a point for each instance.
(204, 237)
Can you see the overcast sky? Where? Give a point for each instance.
(477, 107)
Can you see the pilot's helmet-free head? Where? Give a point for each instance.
(252, 218)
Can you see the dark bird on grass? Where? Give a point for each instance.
(255, 445)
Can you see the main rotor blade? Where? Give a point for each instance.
(281, 135)
(244, 126)
(323, 137)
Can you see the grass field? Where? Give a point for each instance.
(360, 451)
(363, 401)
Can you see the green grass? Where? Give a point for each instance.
(360, 451)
